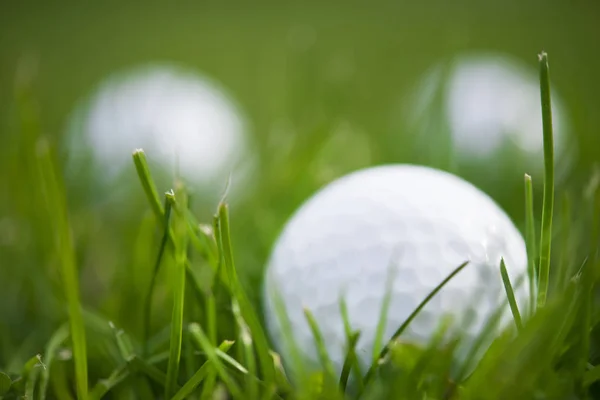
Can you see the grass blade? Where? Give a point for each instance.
(350, 361)
(56, 202)
(532, 271)
(148, 303)
(510, 295)
(181, 230)
(33, 376)
(57, 339)
(319, 343)
(141, 166)
(204, 343)
(548, 201)
(260, 340)
(358, 376)
(371, 372)
(106, 385)
(566, 255)
(200, 375)
(191, 385)
(383, 316)
(246, 339)
(140, 365)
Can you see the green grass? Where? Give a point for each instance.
(214, 341)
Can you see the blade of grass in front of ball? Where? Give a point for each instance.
(350, 360)
(169, 200)
(488, 331)
(320, 344)
(510, 295)
(143, 171)
(54, 195)
(432, 352)
(211, 322)
(281, 382)
(56, 340)
(351, 353)
(246, 308)
(180, 230)
(530, 241)
(383, 314)
(295, 361)
(246, 340)
(373, 368)
(548, 200)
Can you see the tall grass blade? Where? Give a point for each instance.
(181, 231)
(350, 361)
(57, 207)
(148, 302)
(320, 344)
(57, 339)
(532, 270)
(565, 254)
(548, 201)
(383, 316)
(510, 295)
(351, 355)
(246, 339)
(250, 316)
(371, 372)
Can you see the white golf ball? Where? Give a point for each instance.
(418, 221)
(186, 123)
(488, 106)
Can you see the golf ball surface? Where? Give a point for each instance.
(402, 227)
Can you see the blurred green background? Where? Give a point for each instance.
(323, 86)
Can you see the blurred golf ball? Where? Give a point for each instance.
(186, 123)
(419, 222)
(486, 109)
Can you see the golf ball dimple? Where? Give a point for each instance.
(401, 226)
